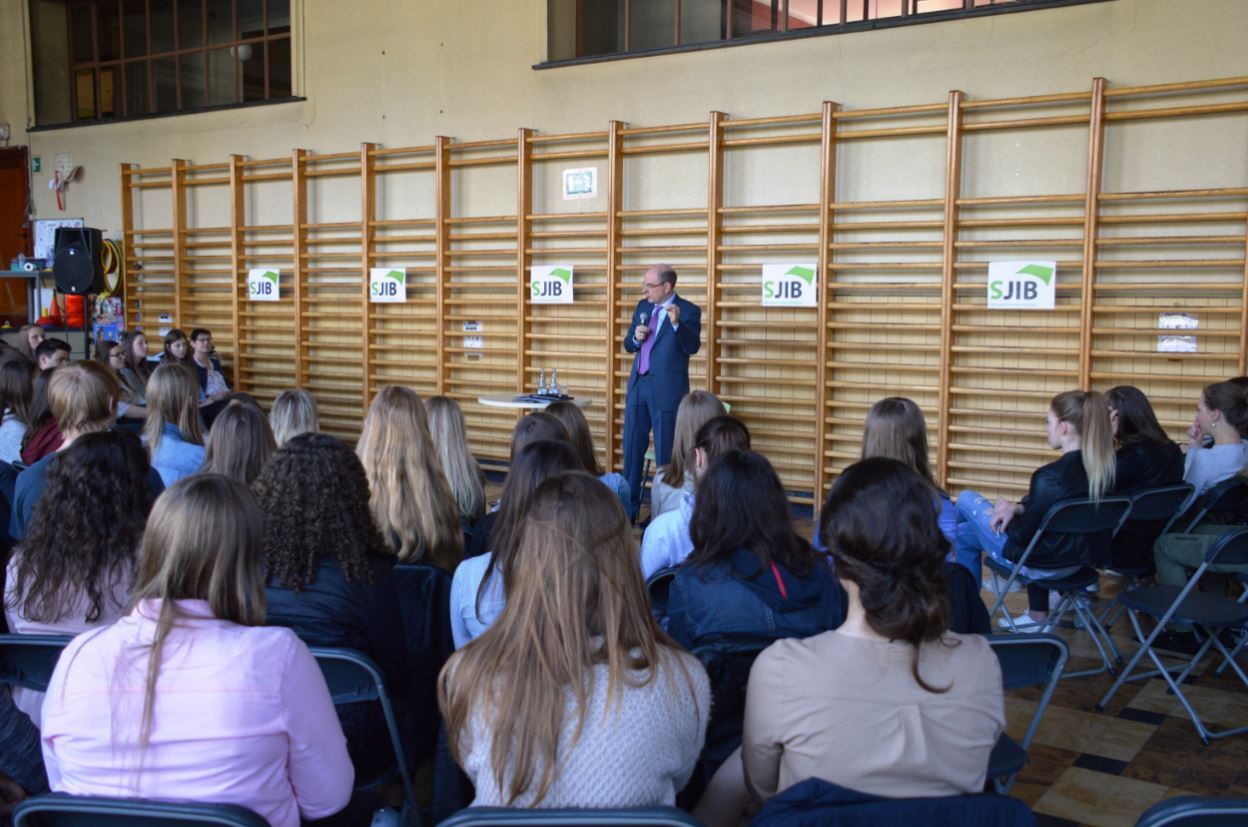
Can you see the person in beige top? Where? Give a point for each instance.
(891, 703)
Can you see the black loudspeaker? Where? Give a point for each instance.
(78, 263)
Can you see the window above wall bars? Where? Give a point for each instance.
(589, 30)
(107, 60)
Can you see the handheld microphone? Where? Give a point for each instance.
(644, 317)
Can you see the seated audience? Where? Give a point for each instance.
(582, 441)
(52, 353)
(479, 588)
(330, 574)
(172, 433)
(213, 389)
(409, 496)
(531, 428)
(1221, 413)
(15, 395)
(1146, 457)
(177, 348)
(1078, 425)
(137, 370)
(29, 338)
(95, 502)
(463, 474)
(293, 413)
(616, 714)
(83, 399)
(43, 436)
(112, 356)
(667, 541)
(189, 697)
(891, 703)
(895, 428)
(240, 444)
(676, 479)
(750, 574)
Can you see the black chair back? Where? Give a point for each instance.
(28, 660)
(1225, 502)
(1231, 549)
(659, 585)
(60, 810)
(1092, 523)
(1152, 512)
(425, 601)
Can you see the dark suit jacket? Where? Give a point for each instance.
(669, 360)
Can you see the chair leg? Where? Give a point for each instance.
(1125, 674)
(1085, 614)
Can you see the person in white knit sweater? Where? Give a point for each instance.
(574, 697)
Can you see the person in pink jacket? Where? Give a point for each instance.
(187, 697)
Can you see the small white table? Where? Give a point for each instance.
(509, 401)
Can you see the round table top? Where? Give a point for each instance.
(510, 401)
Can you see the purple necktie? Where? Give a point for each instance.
(643, 361)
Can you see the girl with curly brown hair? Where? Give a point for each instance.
(330, 574)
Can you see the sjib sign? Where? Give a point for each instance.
(551, 285)
(387, 285)
(1022, 285)
(791, 284)
(263, 285)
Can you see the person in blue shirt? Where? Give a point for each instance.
(173, 434)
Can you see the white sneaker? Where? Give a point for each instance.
(1022, 622)
(986, 584)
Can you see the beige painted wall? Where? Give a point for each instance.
(400, 72)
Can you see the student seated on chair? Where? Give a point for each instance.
(582, 441)
(532, 428)
(43, 436)
(574, 697)
(479, 588)
(16, 377)
(172, 433)
(293, 412)
(891, 703)
(189, 697)
(463, 473)
(1221, 413)
(674, 480)
(52, 353)
(1146, 457)
(330, 574)
(750, 575)
(408, 493)
(1077, 424)
(667, 541)
(135, 370)
(240, 444)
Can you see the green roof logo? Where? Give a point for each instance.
(806, 274)
(562, 273)
(270, 275)
(1045, 274)
(397, 275)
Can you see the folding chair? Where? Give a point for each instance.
(28, 660)
(1227, 496)
(1026, 660)
(659, 584)
(1196, 811)
(59, 810)
(353, 678)
(1209, 613)
(1153, 512)
(1072, 519)
(572, 817)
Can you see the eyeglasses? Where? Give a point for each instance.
(649, 284)
(117, 355)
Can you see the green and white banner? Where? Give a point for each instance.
(1022, 285)
(791, 284)
(551, 284)
(387, 285)
(263, 284)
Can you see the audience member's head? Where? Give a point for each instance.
(1132, 418)
(577, 601)
(696, 409)
(741, 506)
(879, 526)
(314, 497)
(95, 503)
(293, 413)
(1224, 402)
(718, 435)
(40, 408)
(239, 444)
(535, 427)
(1080, 419)
(16, 388)
(172, 401)
(895, 428)
(177, 347)
(52, 353)
(109, 354)
(201, 341)
(29, 338)
(1242, 381)
(134, 346)
(450, 438)
(83, 398)
(579, 437)
(410, 498)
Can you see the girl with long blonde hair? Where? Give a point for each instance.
(293, 413)
(677, 478)
(172, 433)
(189, 694)
(463, 474)
(1078, 425)
(409, 496)
(575, 697)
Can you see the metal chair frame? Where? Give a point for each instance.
(1015, 681)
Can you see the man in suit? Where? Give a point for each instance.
(666, 330)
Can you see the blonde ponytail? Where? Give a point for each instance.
(1088, 411)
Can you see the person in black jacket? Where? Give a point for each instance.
(1078, 425)
(1147, 458)
(329, 574)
